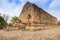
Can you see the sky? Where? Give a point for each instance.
(14, 7)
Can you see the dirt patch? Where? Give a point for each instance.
(48, 34)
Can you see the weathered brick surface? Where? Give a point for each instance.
(38, 15)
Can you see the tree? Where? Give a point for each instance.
(6, 17)
(14, 19)
(2, 22)
(9, 24)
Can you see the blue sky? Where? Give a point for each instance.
(14, 7)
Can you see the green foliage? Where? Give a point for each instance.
(14, 19)
(3, 23)
(10, 24)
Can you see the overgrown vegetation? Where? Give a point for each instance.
(10, 24)
(14, 19)
(3, 23)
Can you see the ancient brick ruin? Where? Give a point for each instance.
(35, 16)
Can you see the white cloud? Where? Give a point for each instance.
(54, 8)
(39, 1)
(34, 1)
(55, 3)
(55, 13)
(10, 8)
(14, 10)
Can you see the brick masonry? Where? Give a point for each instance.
(37, 15)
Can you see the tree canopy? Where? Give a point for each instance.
(2, 22)
(14, 19)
